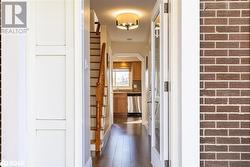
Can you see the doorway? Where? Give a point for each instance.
(132, 36)
(135, 94)
(65, 26)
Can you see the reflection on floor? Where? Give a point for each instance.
(128, 145)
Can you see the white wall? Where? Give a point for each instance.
(86, 62)
(148, 86)
(13, 98)
(105, 38)
(130, 47)
(93, 19)
(14, 108)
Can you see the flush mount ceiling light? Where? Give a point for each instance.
(127, 21)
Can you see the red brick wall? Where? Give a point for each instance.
(225, 83)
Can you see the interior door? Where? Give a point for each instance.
(50, 75)
(159, 82)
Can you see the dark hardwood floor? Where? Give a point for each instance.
(128, 145)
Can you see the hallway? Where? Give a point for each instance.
(128, 146)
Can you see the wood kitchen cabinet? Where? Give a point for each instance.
(136, 66)
(120, 102)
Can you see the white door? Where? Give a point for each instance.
(50, 75)
(160, 76)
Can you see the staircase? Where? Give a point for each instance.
(98, 92)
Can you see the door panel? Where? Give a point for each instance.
(50, 17)
(160, 73)
(51, 83)
(50, 87)
(157, 73)
(47, 143)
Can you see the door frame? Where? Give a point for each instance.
(157, 158)
(80, 103)
(184, 83)
(78, 49)
(185, 78)
(143, 79)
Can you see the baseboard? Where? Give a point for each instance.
(89, 163)
(155, 159)
(146, 127)
(106, 137)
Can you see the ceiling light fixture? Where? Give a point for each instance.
(127, 21)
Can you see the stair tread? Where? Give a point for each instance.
(94, 116)
(92, 32)
(95, 105)
(94, 129)
(103, 96)
(94, 61)
(95, 86)
(95, 37)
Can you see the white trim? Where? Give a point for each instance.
(110, 85)
(130, 84)
(79, 75)
(127, 55)
(166, 96)
(160, 157)
(184, 87)
(89, 163)
(155, 158)
(190, 58)
(175, 108)
(31, 51)
(106, 137)
(152, 84)
(144, 93)
(85, 39)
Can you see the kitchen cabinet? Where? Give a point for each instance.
(120, 103)
(136, 66)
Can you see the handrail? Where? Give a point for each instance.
(98, 28)
(100, 86)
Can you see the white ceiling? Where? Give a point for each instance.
(106, 10)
